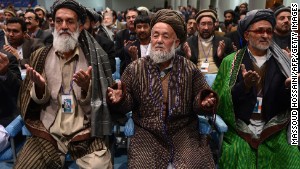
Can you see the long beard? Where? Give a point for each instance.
(63, 42)
(162, 56)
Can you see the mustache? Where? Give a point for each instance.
(65, 32)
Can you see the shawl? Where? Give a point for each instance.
(101, 79)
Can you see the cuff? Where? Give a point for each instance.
(45, 97)
(85, 98)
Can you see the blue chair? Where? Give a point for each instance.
(116, 75)
(10, 153)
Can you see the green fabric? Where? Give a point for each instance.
(236, 152)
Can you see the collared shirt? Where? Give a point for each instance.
(65, 125)
(20, 52)
(260, 60)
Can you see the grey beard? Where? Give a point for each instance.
(64, 43)
(162, 56)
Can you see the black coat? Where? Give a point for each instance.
(119, 45)
(276, 98)
(9, 90)
(193, 43)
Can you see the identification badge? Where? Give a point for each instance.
(257, 108)
(204, 66)
(67, 104)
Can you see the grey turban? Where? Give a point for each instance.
(172, 18)
(255, 16)
(70, 4)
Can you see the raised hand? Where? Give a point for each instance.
(11, 50)
(221, 49)
(133, 52)
(35, 77)
(127, 43)
(209, 101)
(187, 50)
(83, 78)
(251, 78)
(115, 95)
(4, 62)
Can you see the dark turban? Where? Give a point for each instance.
(172, 18)
(93, 15)
(70, 4)
(255, 16)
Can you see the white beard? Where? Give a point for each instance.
(65, 43)
(162, 56)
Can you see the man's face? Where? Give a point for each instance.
(143, 31)
(67, 30)
(130, 17)
(14, 33)
(163, 42)
(31, 21)
(283, 22)
(87, 24)
(7, 15)
(2, 17)
(242, 8)
(107, 19)
(191, 26)
(206, 27)
(228, 17)
(162, 37)
(66, 20)
(51, 22)
(40, 13)
(259, 35)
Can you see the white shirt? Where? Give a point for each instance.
(144, 49)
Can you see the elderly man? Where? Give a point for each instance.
(165, 93)
(255, 99)
(65, 111)
(208, 50)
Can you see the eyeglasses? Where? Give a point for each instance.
(262, 31)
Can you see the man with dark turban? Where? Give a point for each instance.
(254, 88)
(165, 93)
(63, 98)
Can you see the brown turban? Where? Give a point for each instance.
(173, 19)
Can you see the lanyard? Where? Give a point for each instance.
(71, 83)
(206, 55)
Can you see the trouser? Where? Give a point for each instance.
(38, 153)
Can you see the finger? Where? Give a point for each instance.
(210, 102)
(119, 85)
(287, 49)
(243, 68)
(89, 71)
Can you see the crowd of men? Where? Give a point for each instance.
(69, 100)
